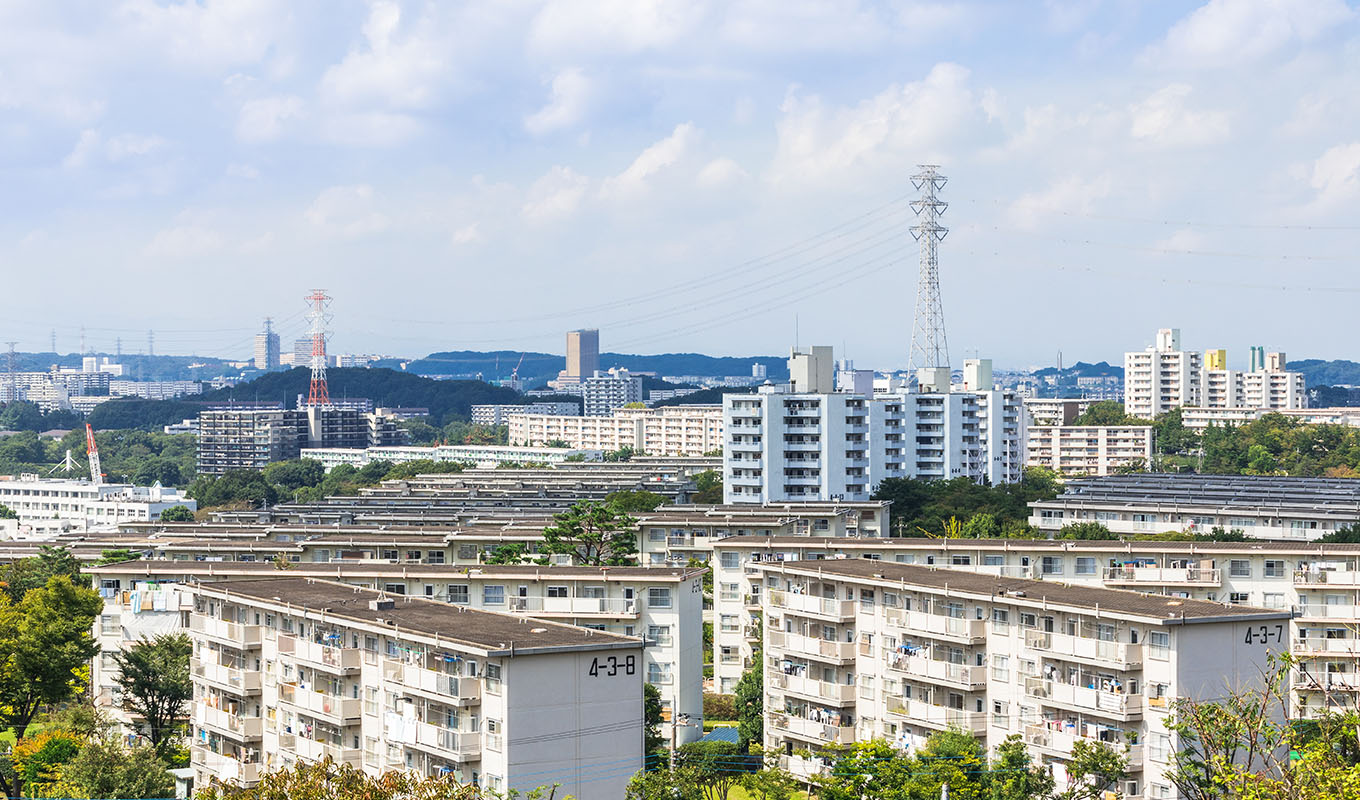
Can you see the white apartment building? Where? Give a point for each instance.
(479, 455)
(1199, 419)
(664, 606)
(499, 414)
(1268, 385)
(50, 506)
(1049, 412)
(294, 669)
(857, 650)
(690, 431)
(802, 441)
(1089, 449)
(603, 392)
(1162, 377)
(154, 390)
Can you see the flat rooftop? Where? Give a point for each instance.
(502, 634)
(1162, 608)
(1057, 546)
(1223, 491)
(159, 568)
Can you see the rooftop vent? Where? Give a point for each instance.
(382, 604)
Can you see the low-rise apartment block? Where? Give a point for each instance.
(603, 392)
(499, 414)
(1076, 450)
(691, 431)
(50, 506)
(293, 669)
(859, 649)
(1052, 412)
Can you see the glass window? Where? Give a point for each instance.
(493, 595)
(1159, 644)
(1239, 568)
(658, 597)
(458, 593)
(1086, 565)
(730, 560)
(1239, 597)
(558, 591)
(1001, 668)
(1001, 620)
(1051, 565)
(1274, 568)
(1273, 600)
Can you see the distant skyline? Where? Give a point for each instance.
(685, 176)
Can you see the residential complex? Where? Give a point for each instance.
(490, 455)
(487, 414)
(252, 438)
(1048, 412)
(804, 441)
(50, 506)
(294, 669)
(1162, 377)
(860, 649)
(666, 431)
(1090, 449)
(603, 392)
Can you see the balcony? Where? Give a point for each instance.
(1059, 743)
(1167, 576)
(316, 750)
(808, 729)
(1338, 611)
(575, 606)
(827, 607)
(838, 693)
(337, 710)
(1326, 681)
(236, 727)
(805, 769)
(224, 767)
(231, 633)
(448, 689)
(1320, 646)
(239, 681)
(1083, 648)
(808, 646)
(1328, 577)
(1085, 698)
(939, 626)
(938, 717)
(443, 742)
(328, 658)
(920, 667)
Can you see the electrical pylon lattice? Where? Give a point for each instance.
(929, 347)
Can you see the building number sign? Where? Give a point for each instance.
(611, 666)
(1265, 634)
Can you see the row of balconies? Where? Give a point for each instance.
(839, 693)
(933, 716)
(1122, 654)
(1085, 698)
(811, 646)
(239, 681)
(449, 689)
(937, 625)
(821, 732)
(1183, 576)
(224, 767)
(1059, 744)
(922, 667)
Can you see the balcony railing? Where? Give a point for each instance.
(1084, 648)
(232, 633)
(237, 727)
(1317, 644)
(238, 680)
(1180, 576)
(329, 658)
(809, 604)
(340, 710)
(1328, 611)
(575, 606)
(444, 742)
(1085, 697)
(456, 689)
(317, 750)
(224, 767)
(938, 625)
(809, 687)
(921, 667)
(809, 729)
(1306, 577)
(808, 646)
(1061, 742)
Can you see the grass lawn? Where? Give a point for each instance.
(739, 793)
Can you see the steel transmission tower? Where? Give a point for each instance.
(929, 347)
(320, 394)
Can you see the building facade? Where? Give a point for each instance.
(603, 392)
(668, 431)
(1076, 450)
(1162, 377)
(253, 438)
(267, 347)
(499, 414)
(50, 506)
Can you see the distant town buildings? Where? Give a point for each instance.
(1090, 449)
(603, 392)
(252, 438)
(487, 414)
(1165, 377)
(267, 347)
(492, 455)
(669, 431)
(51, 506)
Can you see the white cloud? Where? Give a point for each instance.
(184, 241)
(1162, 119)
(93, 146)
(1336, 175)
(910, 122)
(570, 95)
(555, 195)
(242, 171)
(1227, 32)
(212, 34)
(347, 211)
(263, 119)
(656, 158)
(1181, 241)
(468, 234)
(1071, 195)
(599, 27)
(719, 172)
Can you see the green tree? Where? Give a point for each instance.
(622, 454)
(653, 714)
(36, 760)
(1092, 769)
(34, 573)
(177, 514)
(327, 780)
(716, 765)
(593, 534)
(981, 526)
(872, 770)
(7, 513)
(665, 784)
(1107, 412)
(771, 783)
(749, 696)
(1015, 776)
(106, 768)
(154, 677)
(720, 707)
(46, 642)
(953, 757)
(1085, 530)
(117, 556)
(708, 488)
(293, 475)
(511, 553)
(637, 501)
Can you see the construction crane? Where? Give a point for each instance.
(96, 475)
(514, 373)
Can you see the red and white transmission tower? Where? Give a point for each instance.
(320, 395)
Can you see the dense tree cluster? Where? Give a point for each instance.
(926, 508)
(304, 481)
(129, 456)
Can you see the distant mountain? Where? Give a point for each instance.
(1081, 369)
(537, 367)
(1317, 372)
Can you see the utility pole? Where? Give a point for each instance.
(678, 721)
(929, 346)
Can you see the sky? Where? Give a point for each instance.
(711, 176)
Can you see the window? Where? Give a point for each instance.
(1001, 620)
(1001, 668)
(729, 560)
(1159, 746)
(1274, 568)
(1028, 620)
(993, 561)
(729, 591)
(1239, 568)
(458, 593)
(389, 555)
(493, 595)
(959, 560)
(1273, 600)
(558, 591)
(658, 597)
(435, 557)
(866, 599)
(728, 623)
(108, 624)
(656, 534)
(1051, 565)
(1159, 644)
(1086, 565)
(658, 673)
(1239, 597)
(1000, 714)
(493, 678)
(394, 588)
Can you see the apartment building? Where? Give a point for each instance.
(664, 606)
(499, 413)
(1162, 377)
(47, 507)
(294, 669)
(688, 430)
(252, 438)
(1267, 385)
(1053, 412)
(479, 455)
(802, 441)
(603, 392)
(1076, 450)
(857, 650)
(1262, 507)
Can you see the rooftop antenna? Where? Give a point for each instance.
(929, 347)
